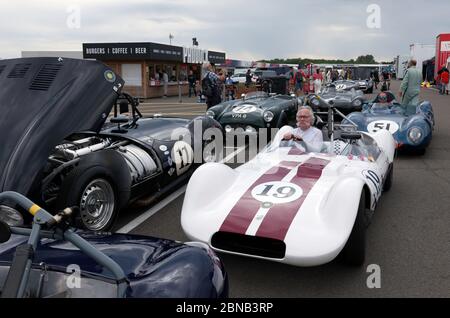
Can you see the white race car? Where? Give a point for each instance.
(291, 205)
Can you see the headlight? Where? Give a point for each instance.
(415, 135)
(357, 102)
(268, 116)
(210, 113)
(10, 216)
(315, 102)
(228, 129)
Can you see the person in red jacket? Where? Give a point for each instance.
(443, 76)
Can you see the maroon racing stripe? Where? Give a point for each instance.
(277, 221)
(295, 151)
(242, 214)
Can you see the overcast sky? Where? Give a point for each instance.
(246, 30)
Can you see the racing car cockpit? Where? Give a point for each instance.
(355, 144)
(385, 103)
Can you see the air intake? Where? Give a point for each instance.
(19, 71)
(246, 244)
(45, 77)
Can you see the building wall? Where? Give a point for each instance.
(150, 87)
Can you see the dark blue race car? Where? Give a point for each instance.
(411, 126)
(54, 260)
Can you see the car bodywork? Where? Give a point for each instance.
(53, 135)
(287, 204)
(365, 85)
(255, 111)
(66, 263)
(345, 101)
(411, 126)
(151, 265)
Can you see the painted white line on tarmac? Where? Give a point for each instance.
(163, 203)
(149, 213)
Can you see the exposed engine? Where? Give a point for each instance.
(140, 163)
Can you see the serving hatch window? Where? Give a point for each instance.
(132, 74)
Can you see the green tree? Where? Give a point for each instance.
(365, 59)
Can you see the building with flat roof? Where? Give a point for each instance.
(142, 64)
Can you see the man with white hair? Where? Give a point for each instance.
(311, 136)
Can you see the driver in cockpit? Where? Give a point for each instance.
(382, 102)
(305, 132)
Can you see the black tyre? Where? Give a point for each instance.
(420, 152)
(100, 185)
(354, 252)
(388, 182)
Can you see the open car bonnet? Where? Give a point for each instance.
(42, 101)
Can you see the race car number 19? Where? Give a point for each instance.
(277, 192)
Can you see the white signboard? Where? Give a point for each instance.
(445, 46)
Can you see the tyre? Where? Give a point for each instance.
(388, 182)
(100, 186)
(420, 152)
(354, 251)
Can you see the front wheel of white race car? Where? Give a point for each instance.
(354, 251)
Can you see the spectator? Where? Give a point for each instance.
(318, 78)
(443, 74)
(165, 79)
(248, 78)
(334, 75)
(376, 78)
(329, 76)
(386, 79)
(291, 80)
(298, 79)
(230, 88)
(410, 87)
(191, 81)
(211, 86)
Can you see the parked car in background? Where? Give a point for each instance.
(254, 111)
(238, 78)
(346, 101)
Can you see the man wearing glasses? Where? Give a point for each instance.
(311, 136)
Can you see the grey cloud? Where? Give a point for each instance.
(243, 29)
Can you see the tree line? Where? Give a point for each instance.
(362, 59)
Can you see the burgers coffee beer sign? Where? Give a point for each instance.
(149, 51)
